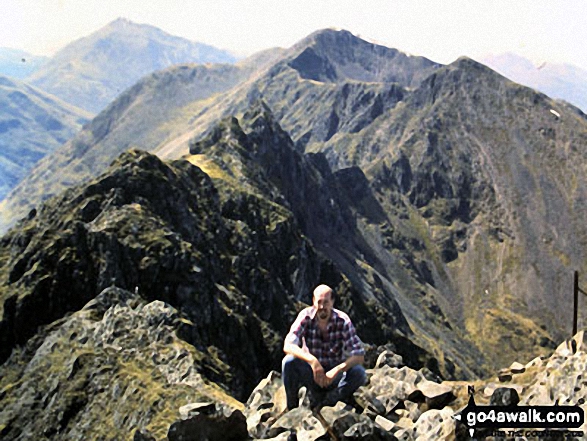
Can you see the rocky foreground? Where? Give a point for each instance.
(119, 369)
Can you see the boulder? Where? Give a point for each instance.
(504, 375)
(436, 424)
(384, 423)
(300, 421)
(517, 368)
(504, 396)
(221, 424)
(435, 395)
(389, 358)
(192, 409)
(265, 404)
(345, 424)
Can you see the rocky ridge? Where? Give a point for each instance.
(465, 190)
(120, 368)
(220, 251)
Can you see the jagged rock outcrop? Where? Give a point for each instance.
(116, 366)
(124, 230)
(226, 256)
(462, 192)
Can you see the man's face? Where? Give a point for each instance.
(322, 301)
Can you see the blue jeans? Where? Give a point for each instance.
(296, 373)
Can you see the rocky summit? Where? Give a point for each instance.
(444, 204)
(457, 195)
(121, 368)
(201, 287)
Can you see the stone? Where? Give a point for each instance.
(283, 436)
(435, 395)
(190, 410)
(366, 431)
(504, 375)
(436, 424)
(301, 421)
(388, 358)
(405, 434)
(414, 410)
(222, 424)
(517, 368)
(405, 423)
(265, 404)
(367, 399)
(504, 396)
(384, 423)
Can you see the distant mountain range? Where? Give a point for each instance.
(32, 124)
(19, 64)
(89, 73)
(466, 188)
(562, 81)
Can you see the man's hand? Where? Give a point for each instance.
(319, 375)
(331, 375)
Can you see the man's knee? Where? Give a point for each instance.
(357, 375)
(286, 363)
(291, 364)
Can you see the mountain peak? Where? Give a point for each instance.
(92, 71)
(331, 55)
(329, 34)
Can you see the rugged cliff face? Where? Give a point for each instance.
(493, 172)
(227, 252)
(446, 193)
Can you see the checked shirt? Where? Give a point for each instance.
(340, 342)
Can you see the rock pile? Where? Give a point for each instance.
(117, 369)
(401, 403)
(396, 403)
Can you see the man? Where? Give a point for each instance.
(323, 353)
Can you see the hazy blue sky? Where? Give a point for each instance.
(553, 30)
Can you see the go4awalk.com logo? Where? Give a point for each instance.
(523, 420)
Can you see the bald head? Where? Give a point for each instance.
(322, 301)
(321, 291)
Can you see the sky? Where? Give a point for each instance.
(442, 30)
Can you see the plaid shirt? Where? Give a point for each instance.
(340, 343)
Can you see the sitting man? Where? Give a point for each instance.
(324, 354)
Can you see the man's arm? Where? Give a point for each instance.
(354, 347)
(350, 362)
(317, 369)
(292, 347)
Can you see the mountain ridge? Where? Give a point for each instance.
(92, 71)
(446, 168)
(32, 125)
